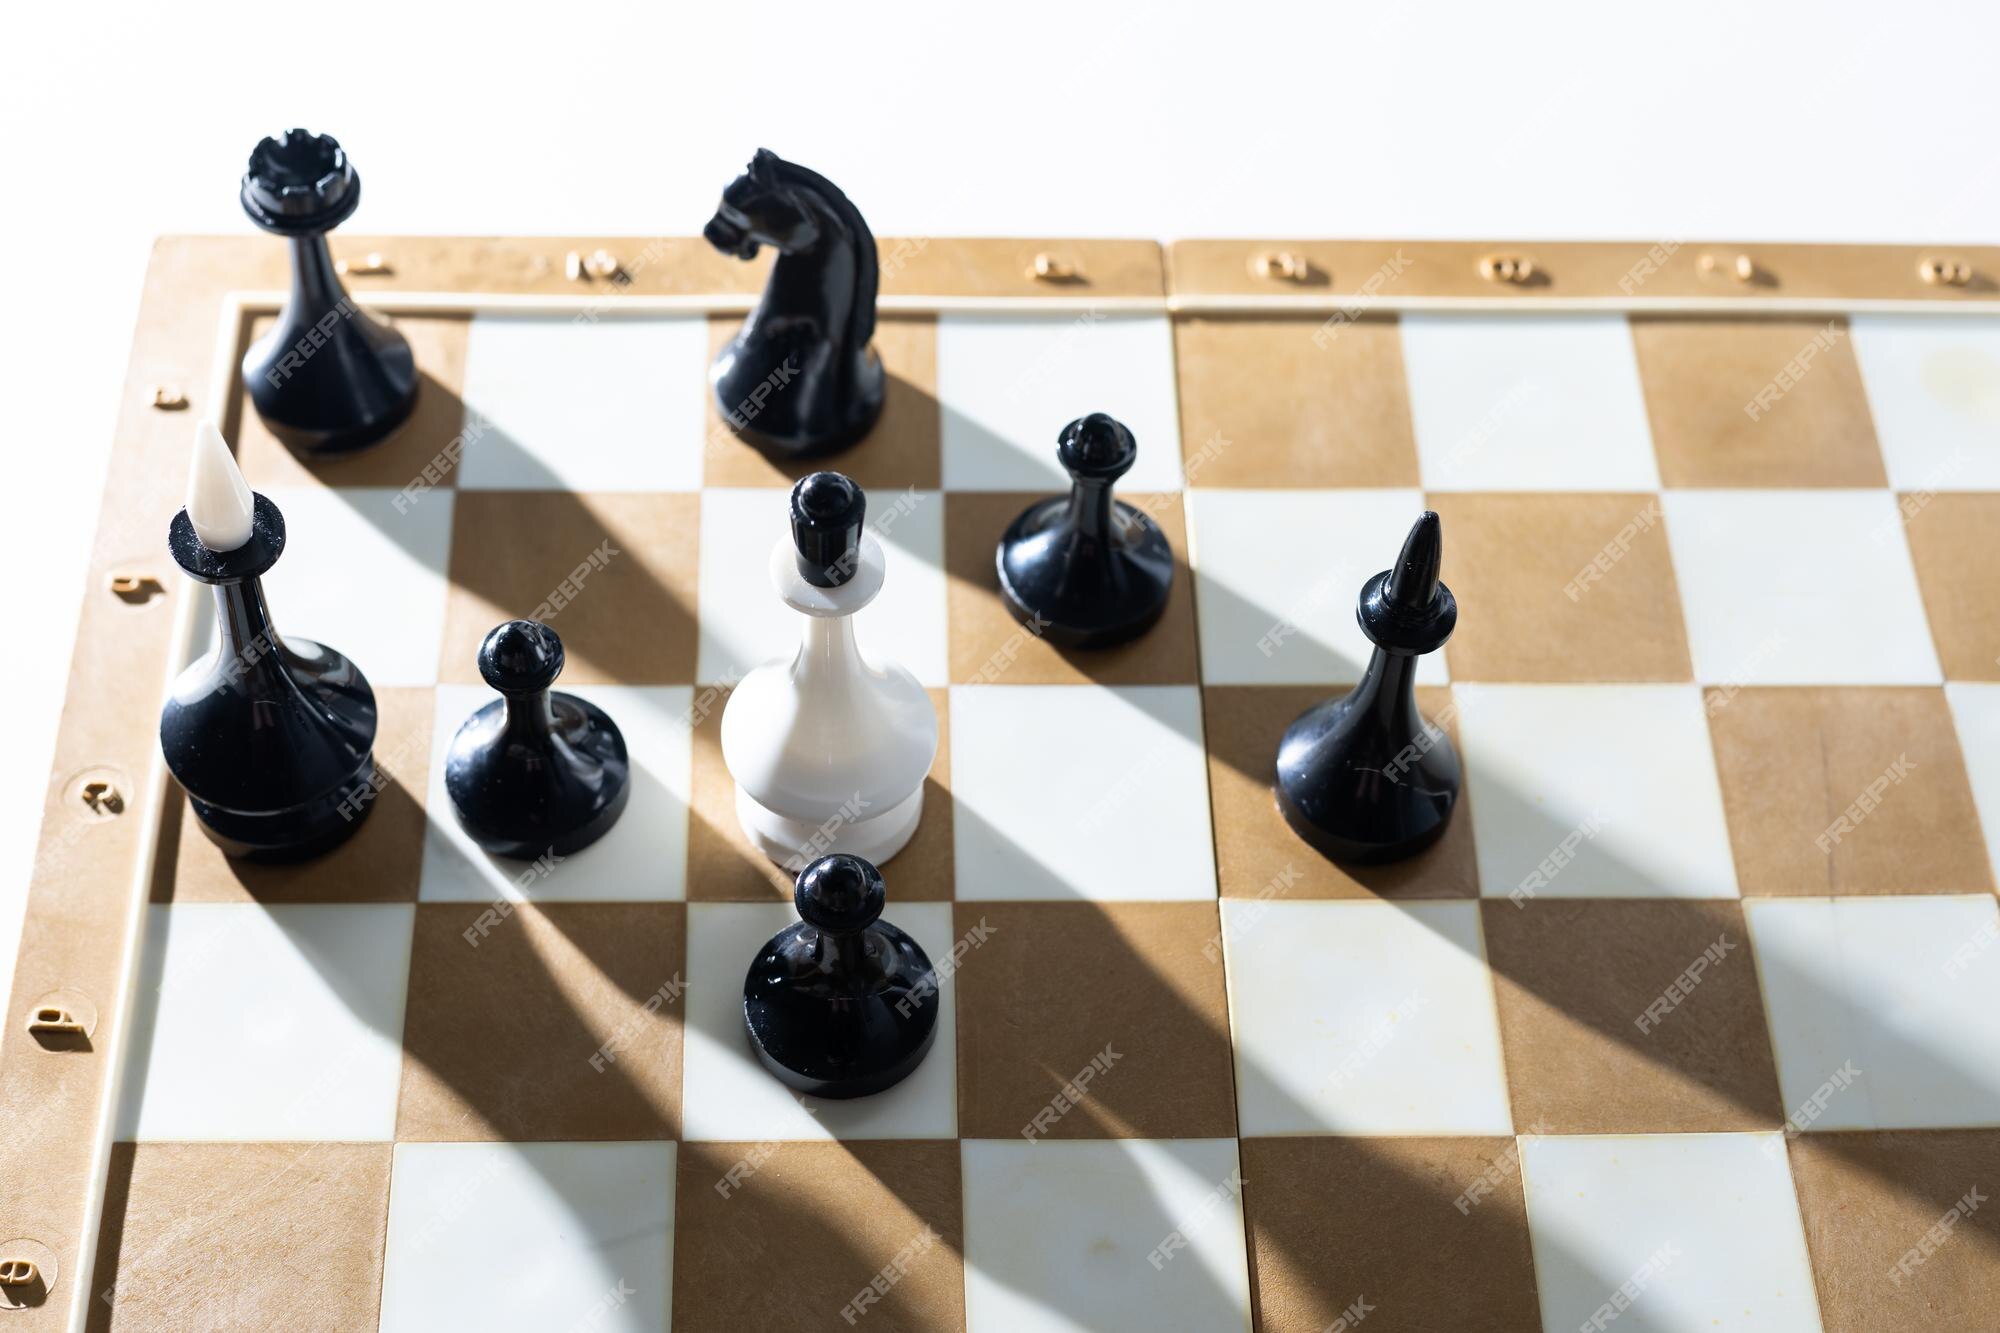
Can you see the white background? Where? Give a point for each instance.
(1777, 121)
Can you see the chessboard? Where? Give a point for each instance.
(1691, 1020)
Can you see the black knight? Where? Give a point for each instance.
(801, 379)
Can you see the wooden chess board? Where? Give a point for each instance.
(1690, 1022)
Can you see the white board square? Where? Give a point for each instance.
(1076, 1236)
(1080, 791)
(1663, 1232)
(1933, 386)
(561, 403)
(364, 579)
(1799, 588)
(1891, 1005)
(1008, 384)
(1517, 403)
(1594, 791)
(278, 1023)
(1362, 1018)
(525, 1237)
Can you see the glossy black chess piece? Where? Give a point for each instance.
(534, 771)
(328, 378)
(828, 513)
(273, 738)
(1363, 778)
(841, 1003)
(800, 379)
(1086, 570)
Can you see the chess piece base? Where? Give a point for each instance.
(1358, 795)
(786, 425)
(324, 400)
(559, 794)
(793, 842)
(278, 837)
(828, 1034)
(1079, 598)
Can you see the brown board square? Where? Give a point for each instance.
(1756, 402)
(627, 609)
(1856, 789)
(1132, 992)
(1900, 1227)
(1630, 1017)
(1952, 540)
(1433, 1232)
(789, 1235)
(418, 452)
(559, 1021)
(1294, 401)
(1562, 587)
(988, 645)
(242, 1235)
(903, 449)
(724, 867)
(1256, 853)
(380, 863)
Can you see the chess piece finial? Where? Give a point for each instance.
(1087, 570)
(800, 379)
(272, 738)
(1363, 778)
(534, 771)
(328, 378)
(1406, 609)
(219, 504)
(828, 514)
(841, 1003)
(828, 749)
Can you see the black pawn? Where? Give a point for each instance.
(1084, 569)
(328, 378)
(272, 738)
(1362, 777)
(800, 379)
(841, 1003)
(534, 772)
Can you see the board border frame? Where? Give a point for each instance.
(93, 872)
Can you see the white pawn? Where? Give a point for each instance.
(829, 751)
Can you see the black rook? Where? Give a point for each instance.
(328, 378)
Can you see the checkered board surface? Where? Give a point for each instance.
(1692, 1021)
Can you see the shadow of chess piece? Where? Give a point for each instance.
(272, 738)
(534, 771)
(1363, 778)
(328, 378)
(841, 1003)
(800, 379)
(1087, 570)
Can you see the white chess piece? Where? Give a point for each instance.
(218, 499)
(829, 751)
